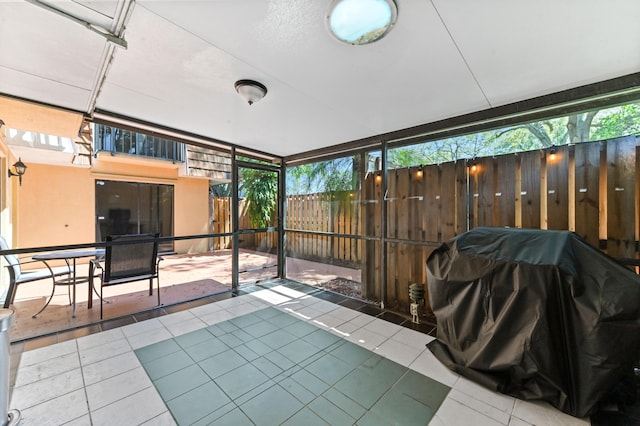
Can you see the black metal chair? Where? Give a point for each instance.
(18, 276)
(128, 258)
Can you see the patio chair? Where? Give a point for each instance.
(128, 258)
(18, 276)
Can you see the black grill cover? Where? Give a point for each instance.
(535, 314)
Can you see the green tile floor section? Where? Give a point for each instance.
(270, 368)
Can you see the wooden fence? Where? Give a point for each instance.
(590, 188)
(323, 212)
(335, 212)
(222, 223)
(221, 220)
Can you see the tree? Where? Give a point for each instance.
(579, 126)
(619, 121)
(441, 151)
(260, 187)
(587, 126)
(340, 174)
(575, 128)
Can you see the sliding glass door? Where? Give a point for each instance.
(134, 208)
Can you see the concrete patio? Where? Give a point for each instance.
(183, 278)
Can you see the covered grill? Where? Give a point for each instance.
(535, 314)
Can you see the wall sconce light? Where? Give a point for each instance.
(378, 178)
(20, 169)
(251, 91)
(474, 166)
(552, 154)
(419, 174)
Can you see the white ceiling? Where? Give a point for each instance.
(443, 58)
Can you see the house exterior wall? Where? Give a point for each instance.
(7, 200)
(191, 199)
(56, 204)
(6, 191)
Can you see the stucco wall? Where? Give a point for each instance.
(56, 204)
(191, 198)
(6, 217)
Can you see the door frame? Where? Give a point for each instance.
(235, 179)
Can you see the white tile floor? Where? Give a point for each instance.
(98, 380)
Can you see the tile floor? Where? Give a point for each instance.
(270, 368)
(276, 355)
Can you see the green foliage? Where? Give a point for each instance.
(260, 188)
(583, 127)
(336, 180)
(619, 121)
(220, 190)
(340, 174)
(441, 151)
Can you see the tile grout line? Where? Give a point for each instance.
(84, 383)
(135, 320)
(290, 313)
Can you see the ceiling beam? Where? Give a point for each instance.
(108, 35)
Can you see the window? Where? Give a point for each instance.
(120, 141)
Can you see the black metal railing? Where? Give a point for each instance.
(121, 141)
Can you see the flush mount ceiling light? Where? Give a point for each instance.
(251, 91)
(360, 22)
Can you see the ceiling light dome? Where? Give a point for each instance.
(361, 21)
(250, 90)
